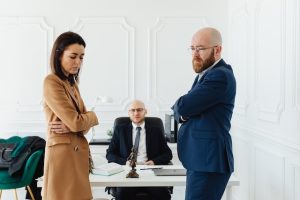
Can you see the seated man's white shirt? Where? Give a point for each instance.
(142, 154)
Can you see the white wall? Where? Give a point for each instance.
(263, 37)
(135, 49)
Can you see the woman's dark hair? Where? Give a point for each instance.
(59, 46)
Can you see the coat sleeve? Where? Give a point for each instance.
(207, 94)
(56, 98)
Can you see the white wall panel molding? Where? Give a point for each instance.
(168, 41)
(256, 135)
(44, 28)
(270, 70)
(34, 107)
(242, 150)
(297, 53)
(245, 140)
(30, 60)
(39, 128)
(268, 128)
(268, 163)
(296, 182)
(239, 52)
(26, 127)
(111, 47)
(292, 179)
(31, 126)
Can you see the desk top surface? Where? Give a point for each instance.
(146, 178)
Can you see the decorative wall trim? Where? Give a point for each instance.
(39, 127)
(288, 151)
(258, 152)
(26, 127)
(269, 114)
(33, 107)
(243, 157)
(130, 31)
(296, 171)
(256, 134)
(47, 30)
(152, 71)
(297, 53)
(239, 23)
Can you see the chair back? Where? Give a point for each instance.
(150, 121)
(20, 179)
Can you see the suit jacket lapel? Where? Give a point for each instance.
(195, 81)
(220, 63)
(148, 138)
(202, 78)
(129, 137)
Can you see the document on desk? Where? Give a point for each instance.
(108, 169)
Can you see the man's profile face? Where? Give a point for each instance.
(205, 56)
(137, 112)
(201, 63)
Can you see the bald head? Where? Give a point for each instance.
(208, 36)
(137, 111)
(137, 103)
(207, 47)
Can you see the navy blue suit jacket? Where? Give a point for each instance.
(121, 144)
(204, 142)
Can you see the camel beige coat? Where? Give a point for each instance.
(66, 170)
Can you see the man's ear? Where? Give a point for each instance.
(145, 111)
(218, 51)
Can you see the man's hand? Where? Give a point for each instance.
(149, 162)
(58, 127)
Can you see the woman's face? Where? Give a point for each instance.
(72, 58)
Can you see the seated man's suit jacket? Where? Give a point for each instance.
(121, 145)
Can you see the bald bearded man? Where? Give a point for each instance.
(204, 143)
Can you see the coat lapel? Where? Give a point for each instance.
(72, 94)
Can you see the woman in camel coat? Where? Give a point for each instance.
(67, 165)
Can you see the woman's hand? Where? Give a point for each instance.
(58, 127)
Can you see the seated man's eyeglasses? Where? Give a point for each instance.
(137, 110)
(193, 50)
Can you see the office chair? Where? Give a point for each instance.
(24, 179)
(151, 122)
